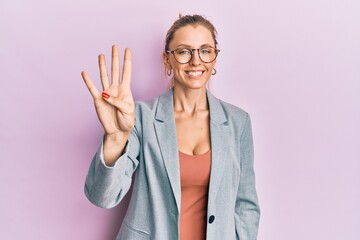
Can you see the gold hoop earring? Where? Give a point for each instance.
(213, 72)
(169, 72)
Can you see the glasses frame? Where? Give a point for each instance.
(192, 53)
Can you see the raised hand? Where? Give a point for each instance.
(115, 105)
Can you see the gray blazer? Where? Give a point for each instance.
(151, 155)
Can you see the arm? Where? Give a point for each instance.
(247, 211)
(109, 176)
(106, 186)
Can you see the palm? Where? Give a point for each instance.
(116, 113)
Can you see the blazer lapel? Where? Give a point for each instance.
(166, 135)
(219, 133)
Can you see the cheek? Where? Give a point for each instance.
(210, 67)
(176, 67)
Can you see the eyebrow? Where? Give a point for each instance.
(188, 46)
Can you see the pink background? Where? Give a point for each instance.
(293, 65)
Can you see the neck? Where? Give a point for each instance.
(190, 101)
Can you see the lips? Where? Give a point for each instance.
(196, 73)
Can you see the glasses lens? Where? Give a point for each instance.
(207, 54)
(182, 55)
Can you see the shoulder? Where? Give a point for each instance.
(226, 113)
(158, 106)
(149, 105)
(230, 111)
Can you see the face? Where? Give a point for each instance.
(194, 74)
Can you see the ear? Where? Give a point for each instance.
(166, 61)
(214, 63)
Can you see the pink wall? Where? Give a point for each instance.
(293, 65)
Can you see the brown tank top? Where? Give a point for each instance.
(195, 176)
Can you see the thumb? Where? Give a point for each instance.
(115, 102)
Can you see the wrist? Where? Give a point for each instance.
(116, 138)
(114, 145)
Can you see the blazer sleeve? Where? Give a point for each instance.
(247, 211)
(106, 186)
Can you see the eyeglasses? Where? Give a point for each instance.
(184, 55)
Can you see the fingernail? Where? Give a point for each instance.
(105, 95)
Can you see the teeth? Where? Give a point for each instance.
(194, 73)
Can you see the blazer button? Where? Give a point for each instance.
(211, 219)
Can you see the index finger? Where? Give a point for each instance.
(90, 85)
(126, 74)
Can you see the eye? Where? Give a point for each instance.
(183, 51)
(206, 51)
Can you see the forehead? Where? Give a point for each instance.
(194, 36)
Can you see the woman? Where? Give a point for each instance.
(189, 154)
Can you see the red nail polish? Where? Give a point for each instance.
(105, 95)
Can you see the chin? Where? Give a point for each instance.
(196, 85)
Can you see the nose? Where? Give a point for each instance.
(195, 60)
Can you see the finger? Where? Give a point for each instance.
(103, 72)
(115, 65)
(126, 74)
(92, 89)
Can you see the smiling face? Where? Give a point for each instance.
(194, 74)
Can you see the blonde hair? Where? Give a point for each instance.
(189, 20)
